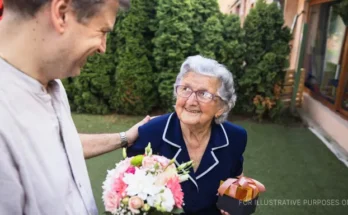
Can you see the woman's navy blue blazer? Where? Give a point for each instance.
(222, 159)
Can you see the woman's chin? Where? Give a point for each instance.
(190, 120)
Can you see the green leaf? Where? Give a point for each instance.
(178, 211)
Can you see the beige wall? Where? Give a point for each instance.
(329, 121)
(290, 11)
(302, 5)
(225, 7)
(245, 6)
(225, 4)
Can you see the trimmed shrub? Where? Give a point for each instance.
(135, 92)
(211, 41)
(267, 50)
(172, 44)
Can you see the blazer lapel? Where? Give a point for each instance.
(218, 140)
(172, 135)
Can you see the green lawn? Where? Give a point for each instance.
(296, 168)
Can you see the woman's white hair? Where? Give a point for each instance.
(209, 67)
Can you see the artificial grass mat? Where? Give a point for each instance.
(300, 174)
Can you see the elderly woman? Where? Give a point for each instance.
(198, 131)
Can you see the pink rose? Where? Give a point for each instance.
(148, 162)
(162, 160)
(135, 203)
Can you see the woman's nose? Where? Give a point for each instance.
(192, 98)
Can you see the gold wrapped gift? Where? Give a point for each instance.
(244, 189)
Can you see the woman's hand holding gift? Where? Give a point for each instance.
(234, 191)
(224, 212)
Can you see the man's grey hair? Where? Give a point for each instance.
(210, 67)
(85, 9)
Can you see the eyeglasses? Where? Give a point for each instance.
(201, 95)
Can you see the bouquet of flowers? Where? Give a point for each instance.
(145, 184)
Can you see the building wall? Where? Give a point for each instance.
(329, 121)
(225, 4)
(290, 8)
(290, 11)
(293, 8)
(333, 124)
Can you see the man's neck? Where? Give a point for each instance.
(21, 49)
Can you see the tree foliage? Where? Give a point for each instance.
(172, 44)
(150, 42)
(135, 92)
(267, 51)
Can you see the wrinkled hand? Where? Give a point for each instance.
(132, 133)
(224, 212)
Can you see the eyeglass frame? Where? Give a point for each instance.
(195, 92)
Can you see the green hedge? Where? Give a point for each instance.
(267, 51)
(172, 44)
(151, 40)
(135, 92)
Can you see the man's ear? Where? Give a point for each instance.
(59, 14)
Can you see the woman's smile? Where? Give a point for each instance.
(193, 111)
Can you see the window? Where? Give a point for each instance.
(324, 56)
(344, 104)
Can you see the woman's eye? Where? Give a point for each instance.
(206, 94)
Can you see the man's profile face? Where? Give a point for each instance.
(81, 40)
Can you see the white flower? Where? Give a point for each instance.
(183, 178)
(141, 184)
(168, 201)
(164, 200)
